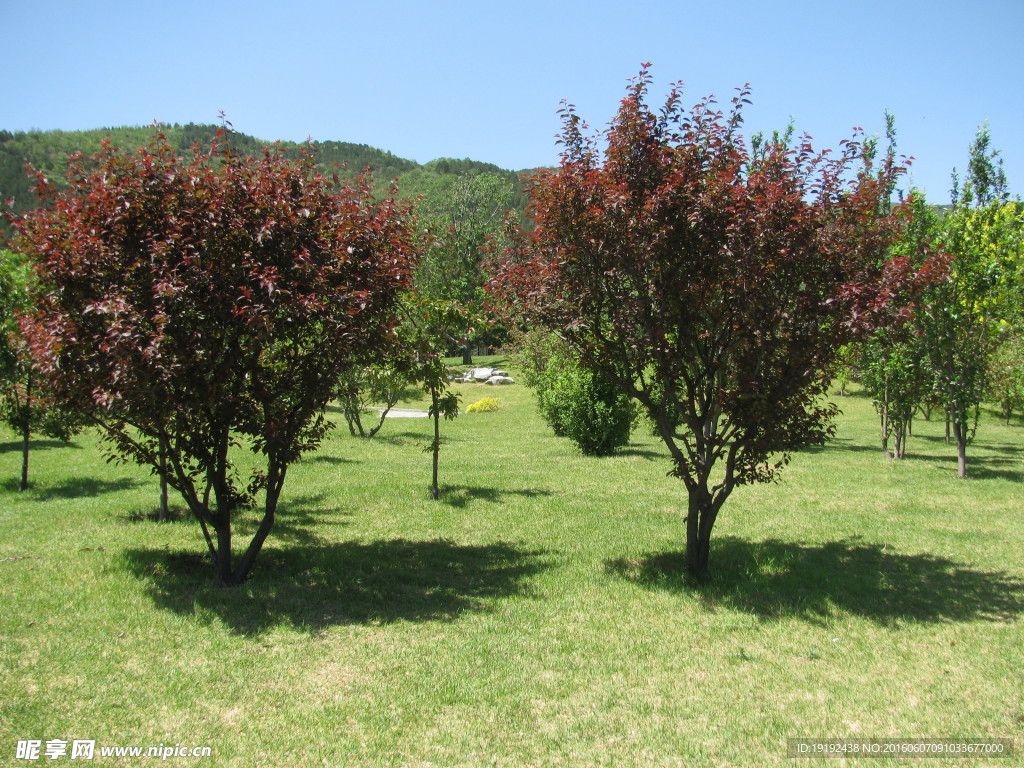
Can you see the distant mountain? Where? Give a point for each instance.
(47, 151)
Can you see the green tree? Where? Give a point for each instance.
(986, 180)
(1006, 376)
(892, 361)
(370, 384)
(963, 316)
(893, 371)
(24, 405)
(460, 223)
(428, 322)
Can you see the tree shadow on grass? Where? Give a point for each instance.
(459, 496)
(79, 487)
(1006, 465)
(643, 453)
(776, 579)
(36, 445)
(842, 444)
(315, 587)
(294, 522)
(322, 459)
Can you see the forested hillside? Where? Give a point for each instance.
(47, 151)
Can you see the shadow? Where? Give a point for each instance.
(399, 441)
(174, 515)
(1008, 466)
(643, 453)
(459, 496)
(981, 469)
(36, 445)
(775, 579)
(852, 394)
(84, 486)
(314, 587)
(319, 459)
(416, 438)
(842, 444)
(294, 522)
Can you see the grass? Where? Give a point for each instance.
(536, 615)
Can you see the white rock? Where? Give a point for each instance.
(500, 380)
(480, 374)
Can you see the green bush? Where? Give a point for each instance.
(588, 409)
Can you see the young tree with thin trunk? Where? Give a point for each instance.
(713, 283)
(423, 341)
(193, 306)
(24, 405)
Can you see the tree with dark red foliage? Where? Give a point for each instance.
(714, 282)
(192, 306)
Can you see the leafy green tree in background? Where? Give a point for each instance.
(576, 402)
(428, 322)
(588, 408)
(1006, 375)
(964, 317)
(892, 360)
(893, 371)
(460, 222)
(986, 180)
(24, 404)
(377, 383)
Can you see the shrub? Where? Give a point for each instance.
(588, 409)
(484, 405)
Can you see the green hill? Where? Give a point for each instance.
(47, 151)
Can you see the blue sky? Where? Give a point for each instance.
(485, 79)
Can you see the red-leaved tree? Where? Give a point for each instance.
(192, 306)
(714, 282)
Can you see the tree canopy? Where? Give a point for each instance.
(713, 282)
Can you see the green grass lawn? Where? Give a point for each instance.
(534, 616)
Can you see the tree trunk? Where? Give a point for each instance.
(883, 415)
(900, 440)
(467, 353)
(222, 565)
(275, 482)
(699, 521)
(435, 491)
(26, 434)
(380, 422)
(227, 573)
(960, 435)
(164, 512)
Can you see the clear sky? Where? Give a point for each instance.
(482, 79)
